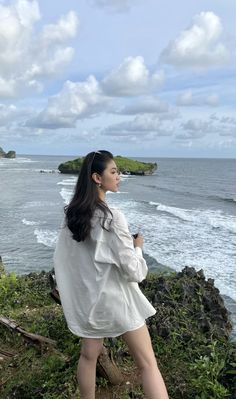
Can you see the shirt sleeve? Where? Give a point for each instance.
(128, 259)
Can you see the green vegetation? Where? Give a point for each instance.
(190, 335)
(72, 167)
(125, 165)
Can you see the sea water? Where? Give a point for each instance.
(186, 212)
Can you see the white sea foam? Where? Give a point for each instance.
(124, 177)
(154, 203)
(117, 192)
(22, 160)
(215, 218)
(180, 237)
(29, 223)
(11, 163)
(66, 194)
(38, 204)
(68, 182)
(20, 170)
(46, 237)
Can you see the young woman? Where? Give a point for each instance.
(98, 266)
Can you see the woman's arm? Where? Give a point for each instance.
(128, 259)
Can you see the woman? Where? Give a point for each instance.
(98, 265)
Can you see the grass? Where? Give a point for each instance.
(196, 362)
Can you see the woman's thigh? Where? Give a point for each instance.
(91, 348)
(140, 346)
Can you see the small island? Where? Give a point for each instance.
(9, 154)
(125, 165)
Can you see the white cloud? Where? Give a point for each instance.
(150, 105)
(10, 115)
(196, 125)
(64, 29)
(28, 12)
(76, 100)
(6, 114)
(198, 46)
(27, 57)
(132, 78)
(228, 120)
(7, 88)
(187, 98)
(213, 100)
(142, 126)
(228, 132)
(146, 106)
(214, 126)
(80, 100)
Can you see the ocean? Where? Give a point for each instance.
(186, 212)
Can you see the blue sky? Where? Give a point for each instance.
(136, 77)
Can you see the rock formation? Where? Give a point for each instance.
(125, 165)
(9, 154)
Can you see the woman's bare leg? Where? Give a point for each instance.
(86, 371)
(141, 350)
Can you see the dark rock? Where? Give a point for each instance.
(2, 268)
(187, 292)
(10, 154)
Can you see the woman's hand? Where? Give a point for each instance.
(138, 240)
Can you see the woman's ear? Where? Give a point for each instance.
(96, 178)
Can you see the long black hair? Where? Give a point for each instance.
(86, 199)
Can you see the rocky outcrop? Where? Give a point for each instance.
(125, 165)
(191, 334)
(9, 154)
(2, 268)
(200, 299)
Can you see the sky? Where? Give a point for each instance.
(147, 78)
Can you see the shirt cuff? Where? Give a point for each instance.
(138, 251)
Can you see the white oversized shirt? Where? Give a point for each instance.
(98, 279)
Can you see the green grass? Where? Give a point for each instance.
(196, 363)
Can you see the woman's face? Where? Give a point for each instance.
(110, 177)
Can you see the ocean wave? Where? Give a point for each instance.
(46, 237)
(29, 223)
(197, 238)
(214, 218)
(20, 170)
(38, 204)
(21, 160)
(154, 203)
(225, 199)
(67, 182)
(125, 177)
(117, 192)
(170, 190)
(184, 214)
(66, 195)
